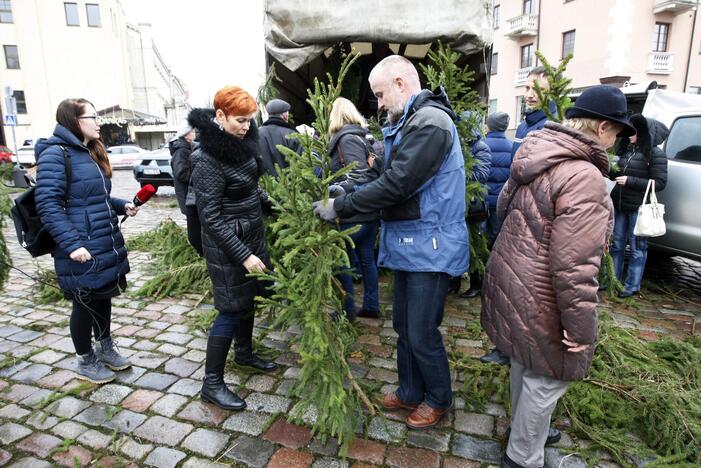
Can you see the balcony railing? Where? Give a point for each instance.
(524, 25)
(522, 76)
(674, 6)
(660, 63)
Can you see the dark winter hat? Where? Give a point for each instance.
(603, 102)
(277, 107)
(498, 121)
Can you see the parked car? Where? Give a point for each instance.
(6, 154)
(681, 113)
(25, 156)
(123, 157)
(154, 168)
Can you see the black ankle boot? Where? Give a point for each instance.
(243, 347)
(214, 390)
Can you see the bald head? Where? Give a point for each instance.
(394, 81)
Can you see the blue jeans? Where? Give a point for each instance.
(622, 235)
(364, 241)
(417, 312)
(227, 323)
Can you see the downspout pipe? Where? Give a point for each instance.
(691, 46)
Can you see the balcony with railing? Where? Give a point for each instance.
(660, 63)
(524, 25)
(522, 76)
(674, 6)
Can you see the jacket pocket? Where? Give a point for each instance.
(241, 228)
(87, 224)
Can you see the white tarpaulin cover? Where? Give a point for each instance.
(297, 31)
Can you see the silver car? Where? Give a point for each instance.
(681, 197)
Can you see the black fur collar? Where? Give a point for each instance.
(219, 144)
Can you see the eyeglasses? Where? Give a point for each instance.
(96, 118)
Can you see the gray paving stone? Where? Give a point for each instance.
(164, 457)
(36, 398)
(14, 368)
(147, 360)
(170, 349)
(145, 345)
(42, 421)
(175, 338)
(488, 451)
(130, 375)
(110, 394)
(177, 309)
(32, 373)
(198, 343)
(96, 415)
(330, 448)
(194, 355)
(69, 429)
(8, 330)
(48, 357)
(328, 462)
(30, 462)
(261, 383)
(194, 462)
(181, 367)
(13, 412)
(168, 405)
(163, 430)
(285, 387)
(134, 450)
(206, 442)
(555, 458)
(10, 432)
(68, 407)
(386, 430)
(94, 439)
(125, 421)
(187, 387)
(156, 381)
(247, 422)
(474, 423)
(494, 409)
(17, 392)
(25, 336)
(268, 403)
(429, 439)
(250, 451)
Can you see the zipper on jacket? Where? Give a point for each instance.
(109, 208)
(87, 223)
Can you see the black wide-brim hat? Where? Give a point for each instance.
(603, 102)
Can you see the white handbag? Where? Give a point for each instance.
(650, 222)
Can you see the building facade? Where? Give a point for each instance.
(617, 42)
(52, 50)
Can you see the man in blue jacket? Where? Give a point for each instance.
(502, 149)
(535, 118)
(424, 239)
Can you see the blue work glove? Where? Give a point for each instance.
(324, 210)
(335, 190)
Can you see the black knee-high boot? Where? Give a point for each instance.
(214, 390)
(243, 347)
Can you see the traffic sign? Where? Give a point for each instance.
(11, 120)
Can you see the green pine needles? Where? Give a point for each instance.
(5, 206)
(307, 254)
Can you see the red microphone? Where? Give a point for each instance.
(142, 196)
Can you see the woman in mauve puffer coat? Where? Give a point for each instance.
(225, 176)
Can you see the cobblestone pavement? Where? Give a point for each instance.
(152, 415)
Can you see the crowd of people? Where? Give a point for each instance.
(548, 216)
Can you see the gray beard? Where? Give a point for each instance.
(394, 115)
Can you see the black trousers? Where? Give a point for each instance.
(90, 316)
(194, 232)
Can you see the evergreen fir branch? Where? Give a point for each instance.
(559, 88)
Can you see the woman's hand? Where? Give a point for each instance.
(130, 209)
(81, 255)
(573, 346)
(621, 180)
(253, 263)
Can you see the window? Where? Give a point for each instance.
(567, 43)
(527, 7)
(684, 141)
(11, 57)
(71, 14)
(659, 37)
(497, 16)
(492, 106)
(5, 11)
(93, 12)
(21, 102)
(520, 108)
(494, 64)
(527, 56)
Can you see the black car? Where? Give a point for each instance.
(154, 168)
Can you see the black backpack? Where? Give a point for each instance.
(31, 233)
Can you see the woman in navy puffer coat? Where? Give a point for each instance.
(90, 257)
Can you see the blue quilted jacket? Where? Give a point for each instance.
(88, 219)
(501, 148)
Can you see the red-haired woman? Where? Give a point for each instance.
(225, 178)
(74, 202)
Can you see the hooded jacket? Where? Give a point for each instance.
(225, 180)
(180, 151)
(502, 149)
(88, 218)
(274, 132)
(533, 120)
(640, 162)
(541, 277)
(421, 191)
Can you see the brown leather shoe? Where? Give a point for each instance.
(425, 416)
(390, 401)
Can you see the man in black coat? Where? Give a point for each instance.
(180, 151)
(274, 132)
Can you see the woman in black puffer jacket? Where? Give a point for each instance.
(225, 178)
(640, 160)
